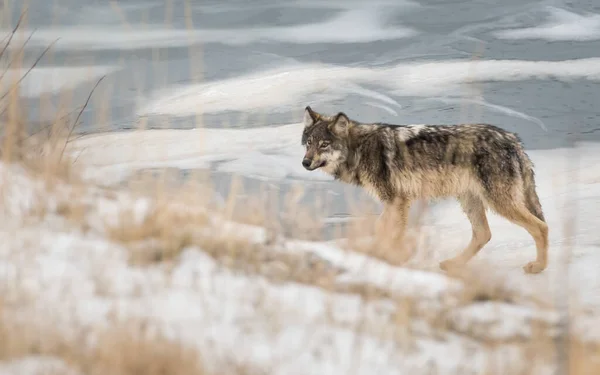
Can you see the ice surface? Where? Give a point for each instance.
(41, 80)
(341, 28)
(269, 152)
(562, 25)
(497, 108)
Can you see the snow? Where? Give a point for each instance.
(286, 86)
(402, 283)
(274, 154)
(255, 91)
(562, 25)
(36, 365)
(79, 281)
(487, 321)
(251, 150)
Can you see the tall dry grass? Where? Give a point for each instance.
(124, 349)
(168, 230)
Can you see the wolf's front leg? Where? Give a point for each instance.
(391, 231)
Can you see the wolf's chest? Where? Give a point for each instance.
(361, 180)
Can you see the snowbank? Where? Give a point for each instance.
(287, 86)
(57, 274)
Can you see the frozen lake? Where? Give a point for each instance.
(246, 71)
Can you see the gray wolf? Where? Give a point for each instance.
(481, 165)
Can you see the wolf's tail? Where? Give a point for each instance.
(532, 201)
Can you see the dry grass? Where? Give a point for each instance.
(120, 350)
(40, 149)
(170, 228)
(161, 235)
(126, 348)
(584, 359)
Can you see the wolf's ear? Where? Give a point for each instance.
(310, 117)
(340, 125)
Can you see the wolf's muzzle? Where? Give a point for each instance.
(308, 164)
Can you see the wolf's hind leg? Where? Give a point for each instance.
(473, 207)
(538, 229)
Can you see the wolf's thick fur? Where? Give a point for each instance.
(481, 165)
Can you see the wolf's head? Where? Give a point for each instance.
(325, 139)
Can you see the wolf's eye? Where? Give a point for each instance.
(308, 142)
(324, 145)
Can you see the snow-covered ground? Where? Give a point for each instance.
(568, 185)
(73, 278)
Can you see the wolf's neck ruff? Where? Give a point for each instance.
(479, 164)
(368, 162)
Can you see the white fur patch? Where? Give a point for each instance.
(407, 132)
(308, 121)
(417, 128)
(332, 161)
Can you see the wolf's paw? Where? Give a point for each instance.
(451, 264)
(534, 267)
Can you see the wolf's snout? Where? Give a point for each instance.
(306, 163)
